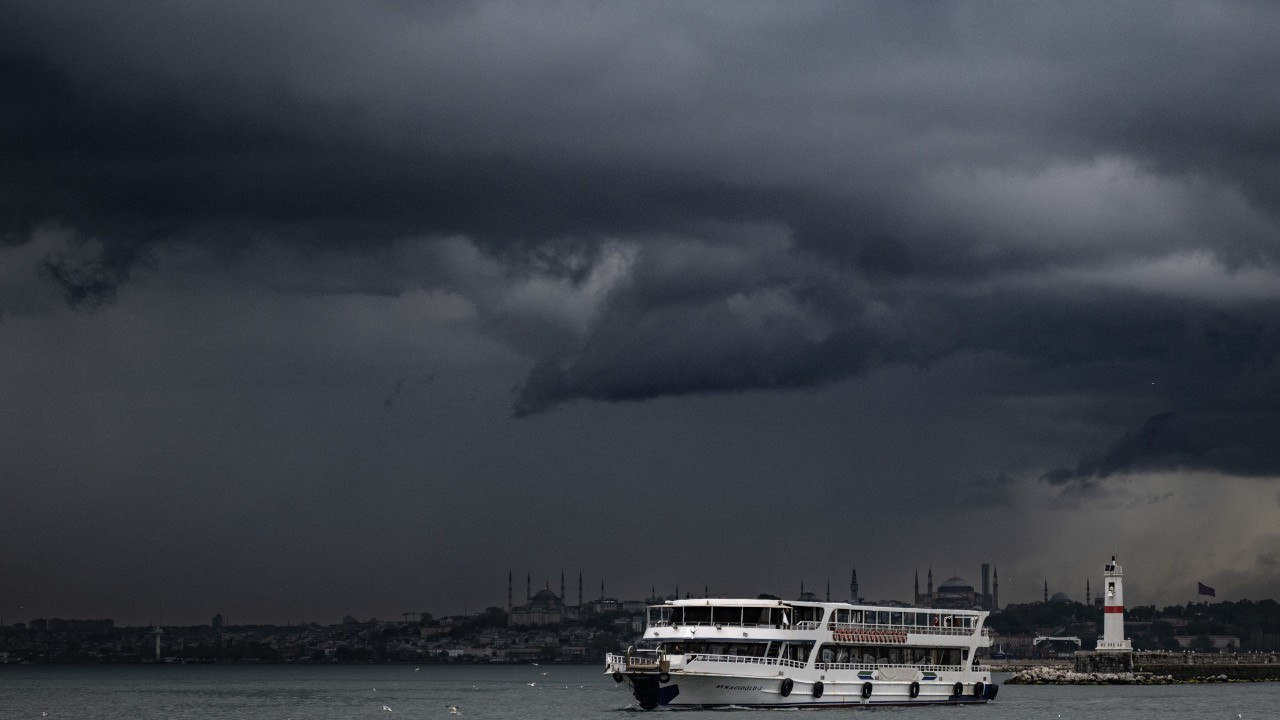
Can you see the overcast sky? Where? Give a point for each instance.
(322, 308)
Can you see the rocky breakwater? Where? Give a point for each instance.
(1062, 676)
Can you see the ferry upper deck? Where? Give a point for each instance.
(800, 615)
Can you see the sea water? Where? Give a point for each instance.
(524, 692)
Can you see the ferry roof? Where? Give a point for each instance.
(759, 602)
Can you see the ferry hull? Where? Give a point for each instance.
(686, 690)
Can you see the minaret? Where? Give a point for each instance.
(562, 586)
(853, 586)
(157, 631)
(828, 591)
(1088, 594)
(579, 588)
(995, 589)
(602, 591)
(1113, 639)
(508, 592)
(917, 592)
(1046, 590)
(931, 583)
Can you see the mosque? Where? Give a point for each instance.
(958, 594)
(543, 607)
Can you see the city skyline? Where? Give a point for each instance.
(841, 593)
(317, 308)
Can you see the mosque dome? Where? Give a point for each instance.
(544, 598)
(1059, 597)
(955, 585)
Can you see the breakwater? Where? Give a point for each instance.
(1154, 668)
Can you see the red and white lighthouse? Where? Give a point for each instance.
(1113, 606)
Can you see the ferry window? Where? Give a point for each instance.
(807, 614)
(761, 616)
(842, 616)
(677, 616)
(895, 618)
(882, 618)
(855, 616)
(726, 615)
(895, 656)
(697, 615)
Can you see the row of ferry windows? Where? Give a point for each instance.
(828, 653)
(889, 655)
(785, 616)
(906, 618)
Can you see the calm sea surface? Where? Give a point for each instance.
(341, 692)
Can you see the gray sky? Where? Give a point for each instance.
(309, 309)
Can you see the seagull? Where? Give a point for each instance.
(416, 669)
(384, 707)
(453, 710)
(532, 684)
(544, 673)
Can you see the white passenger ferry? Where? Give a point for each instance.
(783, 653)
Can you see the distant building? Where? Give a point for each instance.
(957, 593)
(544, 608)
(1220, 642)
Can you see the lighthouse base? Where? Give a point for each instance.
(1115, 646)
(1104, 661)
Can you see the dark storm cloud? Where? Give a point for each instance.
(1243, 444)
(926, 173)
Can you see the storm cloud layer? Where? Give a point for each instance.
(633, 210)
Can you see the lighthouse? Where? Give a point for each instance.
(1113, 639)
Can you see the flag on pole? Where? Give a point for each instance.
(1206, 590)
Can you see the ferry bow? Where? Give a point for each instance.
(779, 653)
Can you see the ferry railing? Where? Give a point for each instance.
(637, 660)
(706, 623)
(918, 629)
(650, 661)
(746, 659)
(877, 666)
